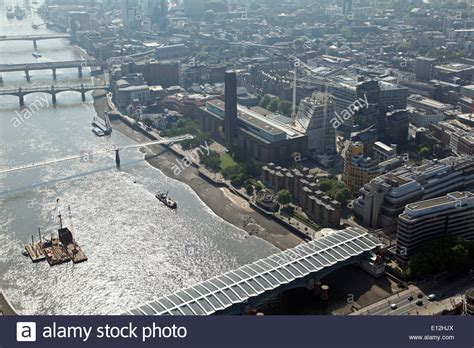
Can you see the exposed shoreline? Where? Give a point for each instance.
(221, 201)
(5, 307)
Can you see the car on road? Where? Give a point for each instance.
(419, 303)
(410, 298)
(431, 297)
(420, 295)
(393, 306)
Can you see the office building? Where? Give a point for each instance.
(467, 91)
(428, 104)
(359, 169)
(455, 73)
(230, 122)
(383, 152)
(424, 117)
(125, 93)
(393, 96)
(346, 7)
(450, 215)
(79, 21)
(131, 14)
(397, 124)
(424, 68)
(457, 135)
(348, 91)
(156, 11)
(383, 199)
(168, 73)
(194, 9)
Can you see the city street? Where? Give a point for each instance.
(446, 289)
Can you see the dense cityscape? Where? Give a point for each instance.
(310, 156)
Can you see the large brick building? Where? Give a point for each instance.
(262, 138)
(306, 193)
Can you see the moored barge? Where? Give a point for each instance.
(59, 249)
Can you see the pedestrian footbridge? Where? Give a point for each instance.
(253, 284)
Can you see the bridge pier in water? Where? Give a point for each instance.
(79, 71)
(21, 97)
(20, 92)
(53, 94)
(35, 44)
(117, 158)
(54, 74)
(83, 93)
(27, 74)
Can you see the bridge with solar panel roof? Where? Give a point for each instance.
(252, 285)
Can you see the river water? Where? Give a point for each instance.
(137, 248)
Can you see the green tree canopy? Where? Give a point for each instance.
(211, 160)
(284, 197)
(336, 190)
(424, 151)
(273, 106)
(265, 101)
(442, 255)
(285, 107)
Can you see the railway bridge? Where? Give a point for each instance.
(250, 287)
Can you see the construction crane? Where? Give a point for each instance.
(298, 63)
(247, 7)
(295, 77)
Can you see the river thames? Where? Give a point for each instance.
(137, 248)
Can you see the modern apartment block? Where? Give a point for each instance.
(304, 189)
(384, 198)
(450, 215)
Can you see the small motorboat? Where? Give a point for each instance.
(166, 200)
(98, 132)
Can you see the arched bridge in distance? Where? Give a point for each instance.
(34, 38)
(53, 90)
(251, 286)
(53, 66)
